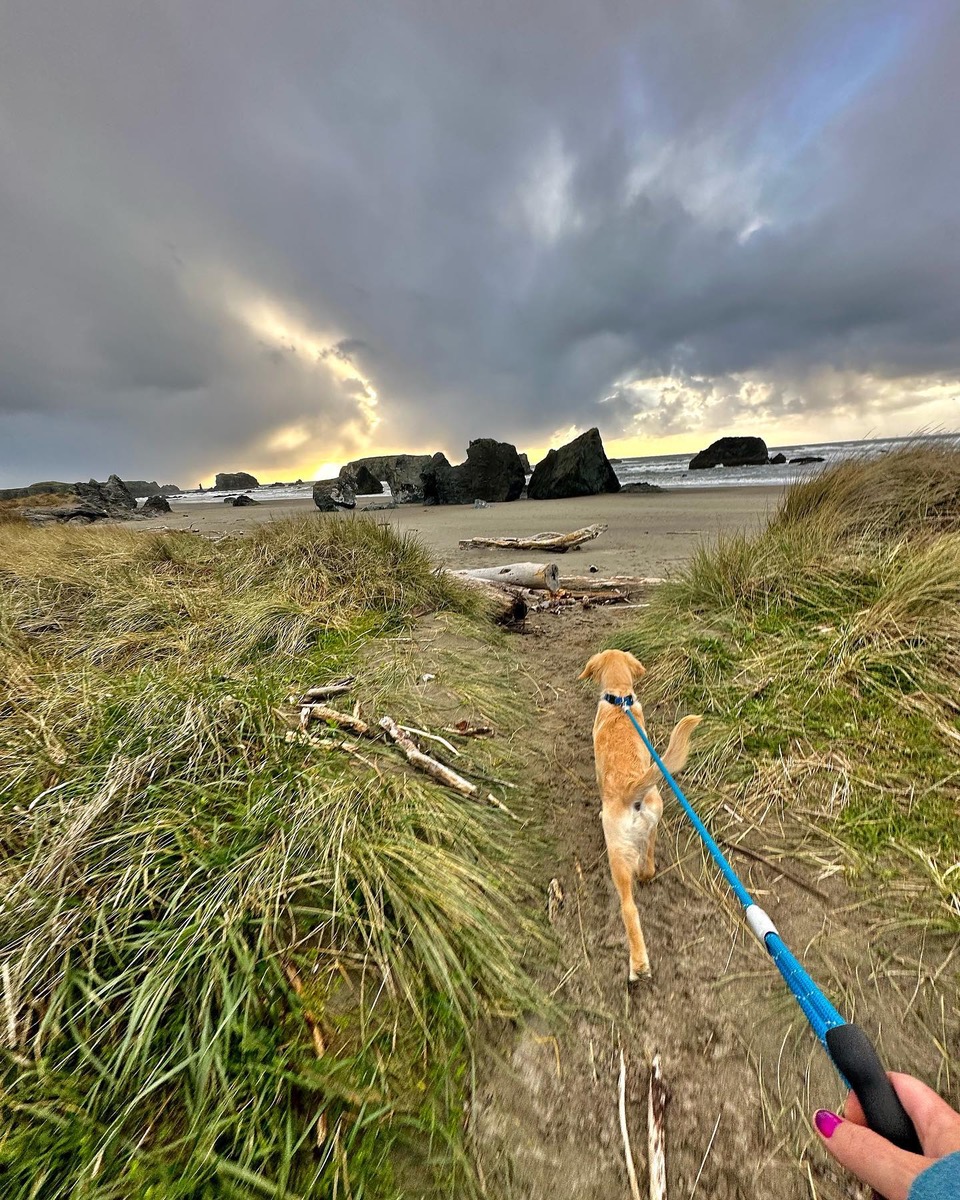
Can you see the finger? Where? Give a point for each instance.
(937, 1125)
(869, 1156)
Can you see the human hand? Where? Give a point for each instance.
(877, 1162)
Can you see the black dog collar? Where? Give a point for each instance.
(619, 701)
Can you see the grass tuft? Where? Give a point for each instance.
(170, 863)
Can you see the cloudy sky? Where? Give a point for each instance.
(270, 236)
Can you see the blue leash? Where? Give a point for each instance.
(848, 1046)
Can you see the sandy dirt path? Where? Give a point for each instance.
(743, 1070)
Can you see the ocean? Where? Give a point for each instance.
(666, 470)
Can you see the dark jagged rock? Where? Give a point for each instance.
(235, 481)
(806, 458)
(777, 460)
(441, 482)
(243, 501)
(401, 471)
(363, 481)
(580, 468)
(641, 488)
(153, 506)
(112, 496)
(492, 472)
(732, 452)
(329, 495)
(525, 463)
(117, 494)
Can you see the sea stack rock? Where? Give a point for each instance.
(235, 481)
(732, 452)
(492, 472)
(580, 468)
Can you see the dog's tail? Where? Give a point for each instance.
(675, 756)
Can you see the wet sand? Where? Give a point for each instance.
(646, 535)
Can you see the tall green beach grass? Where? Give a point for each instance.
(231, 965)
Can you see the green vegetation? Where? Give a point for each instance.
(233, 965)
(825, 652)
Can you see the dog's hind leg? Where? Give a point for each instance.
(652, 808)
(623, 867)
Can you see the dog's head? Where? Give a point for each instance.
(615, 670)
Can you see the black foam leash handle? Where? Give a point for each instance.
(856, 1059)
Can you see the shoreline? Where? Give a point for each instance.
(647, 534)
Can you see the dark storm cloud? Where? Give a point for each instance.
(224, 228)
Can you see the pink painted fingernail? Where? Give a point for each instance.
(826, 1122)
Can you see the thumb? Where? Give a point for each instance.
(877, 1162)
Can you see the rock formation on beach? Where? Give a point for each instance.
(642, 488)
(732, 452)
(235, 481)
(492, 472)
(364, 482)
(86, 502)
(155, 505)
(330, 495)
(580, 468)
(806, 458)
(401, 471)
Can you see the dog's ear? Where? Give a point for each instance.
(592, 667)
(637, 669)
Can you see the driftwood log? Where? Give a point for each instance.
(538, 577)
(559, 543)
(656, 1143)
(597, 583)
(506, 604)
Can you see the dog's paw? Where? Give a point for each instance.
(637, 979)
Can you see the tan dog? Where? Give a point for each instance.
(631, 803)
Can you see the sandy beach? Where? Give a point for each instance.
(648, 534)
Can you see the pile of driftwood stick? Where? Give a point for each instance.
(310, 706)
(514, 590)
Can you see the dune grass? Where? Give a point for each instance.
(232, 965)
(825, 652)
